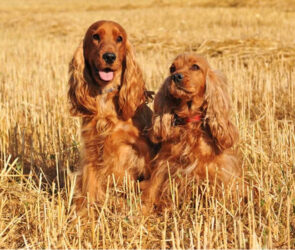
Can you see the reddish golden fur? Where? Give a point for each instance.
(191, 151)
(114, 113)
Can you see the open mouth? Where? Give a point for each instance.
(106, 74)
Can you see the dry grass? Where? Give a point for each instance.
(252, 43)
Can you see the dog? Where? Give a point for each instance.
(192, 122)
(107, 90)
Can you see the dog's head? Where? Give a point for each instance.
(200, 90)
(188, 79)
(104, 60)
(104, 47)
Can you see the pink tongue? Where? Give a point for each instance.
(106, 76)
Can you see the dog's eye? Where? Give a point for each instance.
(172, 69)
(119, 39)
(195, 67)
(96, 37)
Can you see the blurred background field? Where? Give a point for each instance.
(252, 42)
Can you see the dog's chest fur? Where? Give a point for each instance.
(188, 150)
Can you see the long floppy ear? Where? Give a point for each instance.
(218, 110)
(80, 93)
(132, 88)
(162, 102)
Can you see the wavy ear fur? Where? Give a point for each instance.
(131, 94)
(79, 94)
(162, 102)
(218, 109)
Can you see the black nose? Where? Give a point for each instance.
(177, 78)
(109, 57)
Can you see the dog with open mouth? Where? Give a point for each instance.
(192, 122)
(107, 90)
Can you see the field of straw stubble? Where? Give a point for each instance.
(252, 42)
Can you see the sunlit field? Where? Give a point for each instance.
(251, 42)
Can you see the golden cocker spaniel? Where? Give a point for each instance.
(191, 121)
(107, 90)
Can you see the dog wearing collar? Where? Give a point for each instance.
(192, 122)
